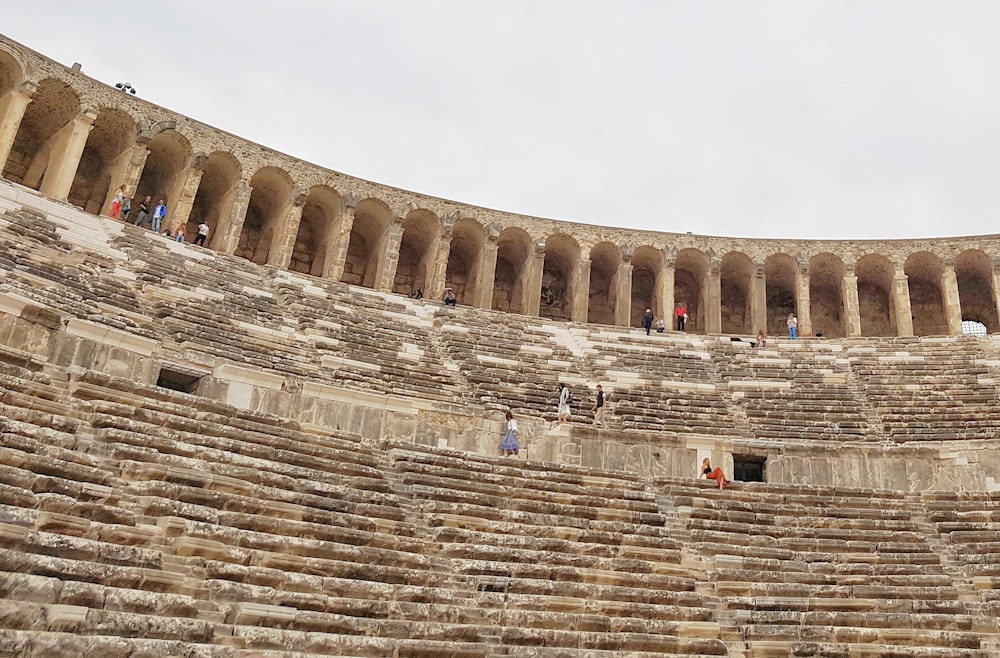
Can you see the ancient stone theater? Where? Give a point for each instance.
(266, 445)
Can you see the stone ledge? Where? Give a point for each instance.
(112, 337)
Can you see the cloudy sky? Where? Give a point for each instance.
(796, 119)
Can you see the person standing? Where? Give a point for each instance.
(202, 234)
(140, 219)
(599, 407)
(682, 316)
(116, 204)
(565, 398)
(509, 445)
(159, 214)
(647, 321)
(793, 326)
(126, 208)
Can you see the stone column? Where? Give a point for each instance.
(665, 295)
(852, 307)
(181, 212)
(713, 299)
(901, 305)
(623, 292)
(336, 248)
(803, 304)
(125, 172)
(758, 300)
(952, 301)
(12, 107)
(227, 236)
(439, 269)
(996, 285)
(532, 288)
(283, 242)
(67, 148)
(385, 272)
(581, 291)
(487, 273)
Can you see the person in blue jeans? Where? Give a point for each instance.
(793, 326)
(159, 213)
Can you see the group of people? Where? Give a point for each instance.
(649, 321)
(121, 208)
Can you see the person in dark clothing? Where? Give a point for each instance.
(647, 321)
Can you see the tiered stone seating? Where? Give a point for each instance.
(849, 571)
(928, 389)
(969, 526)
(812, 385)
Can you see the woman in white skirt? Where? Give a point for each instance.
(509, 444)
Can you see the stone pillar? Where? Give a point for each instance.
(901, 305)
(487, 273)
(758, 300)
(581, 291)
(67, 148)
(437, 281)
(532, 288)
(713, 299)
(385, 271)
(181, 211)
(665, 295)
(852, 307)
(336, 248)
(803, 304)
(283, 242)
(952, 301)
(996, 285)
(623, 293)
(12, 107)
(228, 235)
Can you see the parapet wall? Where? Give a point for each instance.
(78, 140)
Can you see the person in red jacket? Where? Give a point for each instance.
(682, 316)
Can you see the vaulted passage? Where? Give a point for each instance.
(826, 301)
(561, 255)
(736, 274)
(44, 130)
(514, 246)
(974, 272)
(605, 261)
(875, 274)
(163, 174)
(417, 250)
(321, 217)
(270, 202)
(105, 157)
(465, 256)
(372, 219)
(647, 285)
(924, 271)
(690, 274)
(780, 275)
(214, 198)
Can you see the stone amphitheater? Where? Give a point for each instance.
(266, 447)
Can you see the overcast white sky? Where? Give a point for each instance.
(795, 119)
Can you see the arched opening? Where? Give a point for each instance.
(878, 316)
(468, 237)
(270, 202)
(690, 273)
(11, 74)
(214, 197)
(102, 165)
(974, 272)
(605, 261)
(923, 271)
(647, 286)
(417, 251)
(53, 107)
(780, 276)
(321, 214)
(509, 283)
(161, 176)
(973, 328)
(826, 299)
(372, 219)
(561, 254)
(736, 273)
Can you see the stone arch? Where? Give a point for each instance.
(647, 285)
(875, 306)
(417, 251)
(826, 297)
(561, 254)
(321, 214)
(163, 174)
(923, 271)
(690, 274)
(605, 261)
(105, 156)
(468, 237)
(735, 277)
(514, 249)
(372, 219)
(270, 199)
(53, 106)
(974, 271)
(780, 276)
(12, 72)
(214, 197)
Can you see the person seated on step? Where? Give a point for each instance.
(708, 473)
(449, 297)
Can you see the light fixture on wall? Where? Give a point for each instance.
(125, 86)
